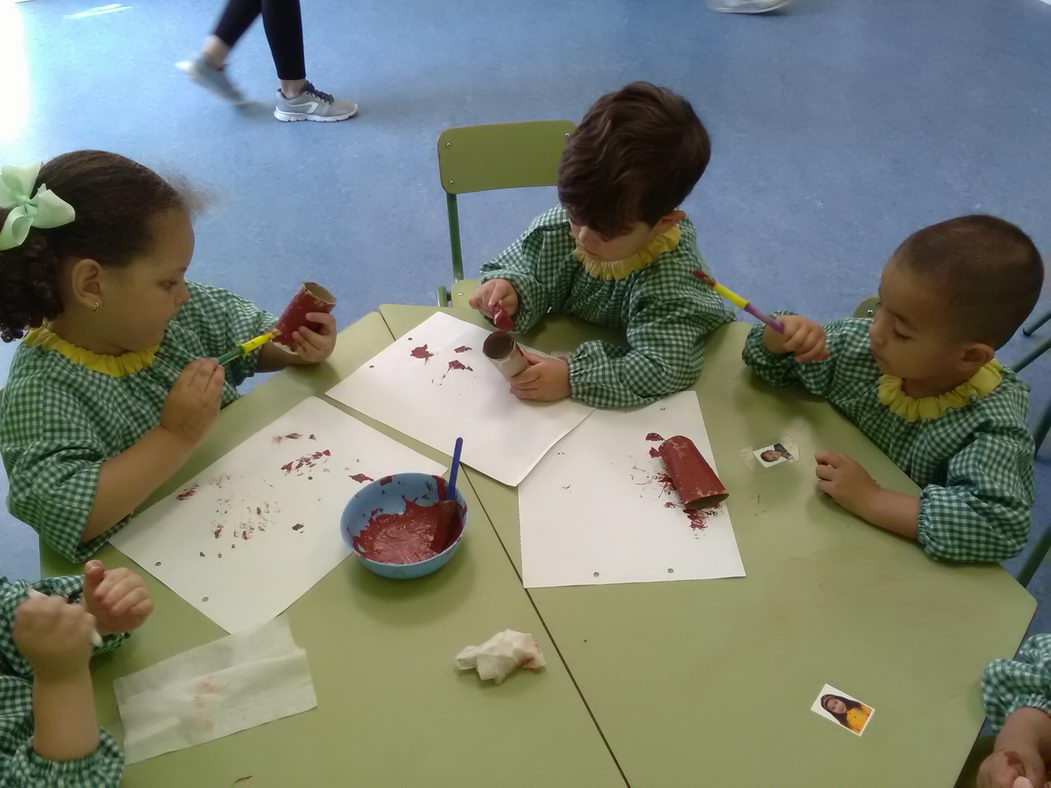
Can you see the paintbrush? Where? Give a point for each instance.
(739, 302)
(95, 637)
(449, 509)
(245, 348)
(502, 320)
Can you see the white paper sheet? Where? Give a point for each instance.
(424, 397)
(596, 510)
(228, 685)
(256, 530)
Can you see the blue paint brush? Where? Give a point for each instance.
(448, 509)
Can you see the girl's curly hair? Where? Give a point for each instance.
(114, 199)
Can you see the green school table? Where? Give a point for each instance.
(711, 682)
(392, 709)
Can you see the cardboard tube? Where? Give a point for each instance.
(311, 297)
(501, 348)
(694, 479)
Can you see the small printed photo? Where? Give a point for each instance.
(839, 707)
(772, 455)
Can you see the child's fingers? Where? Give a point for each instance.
(142, 608)
(324, 320)
(94, 574)
(312, 338)
(119, 590)
(833, 458)
(531, 395)
(826, 487)
(826, 472)
(133, 597)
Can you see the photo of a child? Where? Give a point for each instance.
(772, 455)
(837, 706)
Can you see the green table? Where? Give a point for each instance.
(392, 709)
(711, 682)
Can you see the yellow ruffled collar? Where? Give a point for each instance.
(619, 269)
(114, 366)
(909, 408)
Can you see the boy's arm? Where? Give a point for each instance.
(1022, 682)
(844, 338)
(664, 354)
(530, 266)
(983, 511)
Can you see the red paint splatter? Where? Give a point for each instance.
(258, 510)
(421, 352)
(313, 437)
(502, 320)
(654, 452)
(403, 538)
(239, 779)
(461, 349)
(454, 364)
(670, 505)
(699, 517)
(665, 481)
(218, 531)
(202, 555)
(386, 480)
(189, 492)
(298, 527)
(653, 436)
(292, 436)
(307, 460)
(361, 478)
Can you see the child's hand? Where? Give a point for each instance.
(313, 347)
(192, 405)
(494, 293)
(54, 636)
(1003, 767)
(803, 337)
(845, 481)
(117, 598)
(544, 380)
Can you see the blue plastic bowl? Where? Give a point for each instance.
(390, 498)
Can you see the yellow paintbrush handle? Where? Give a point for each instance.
(260, 340)
(730, 295)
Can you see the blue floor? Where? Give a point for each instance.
(838, 128)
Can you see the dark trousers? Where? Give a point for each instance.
(284, 31)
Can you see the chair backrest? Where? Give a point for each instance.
(501, 155)
(497, 156)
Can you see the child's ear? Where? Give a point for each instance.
(86, 282)
(976, 354)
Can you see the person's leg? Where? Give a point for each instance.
(283, 23)
(236, 18)
(297, 99)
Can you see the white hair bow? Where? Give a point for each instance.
(44, 209)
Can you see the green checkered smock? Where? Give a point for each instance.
(664, 311)
(60, 420)
(974, 463)
(1025, 681)
(19, 763)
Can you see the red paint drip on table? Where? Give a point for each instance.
(454, 364)
(298, 527)
(653, 436)
(654, 452)
(361, 478)
(461, 349)
(189, 492)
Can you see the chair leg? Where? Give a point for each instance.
(1028, 330)
(442, 296)
(1042, 428)
(1030, 357)
(1035, 559)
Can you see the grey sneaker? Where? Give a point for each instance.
(746, 6)
(313, 104)
(201, 71)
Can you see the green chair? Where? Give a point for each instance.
(1044, 425)
(495, 156)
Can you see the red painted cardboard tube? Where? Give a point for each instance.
(694, 479)
(311, 297)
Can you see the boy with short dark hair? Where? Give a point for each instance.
(618, 252)
(943, 409)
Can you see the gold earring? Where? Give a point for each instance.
(96, 307)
